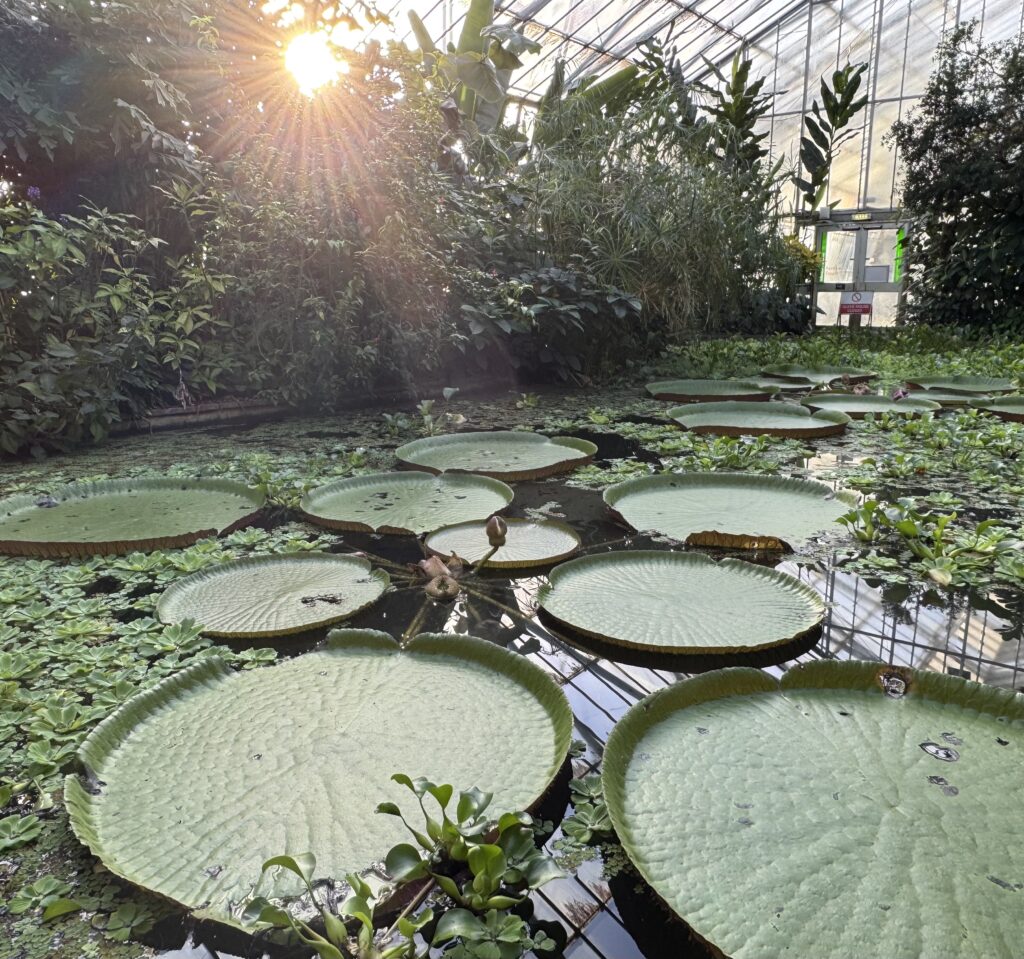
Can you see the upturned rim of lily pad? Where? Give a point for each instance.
(730, 415)
(52, 548)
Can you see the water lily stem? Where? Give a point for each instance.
(483, 562)
(417, 621)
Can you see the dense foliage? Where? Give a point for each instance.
(962, 151)
(180, 222)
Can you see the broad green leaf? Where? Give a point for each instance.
(280, 752)
(302, 864)
(861, 779)
(404, 863)
(504, 455)
(682, 603)
(736, 510)
(700, 391)
(527, 543)
(759, 419)
(409, 502)
(273, 595)
(119, 516)
(458, 922)
(857, 407)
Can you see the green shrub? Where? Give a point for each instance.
(961, 153)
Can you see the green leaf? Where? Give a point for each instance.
(303, 865)
(472, 802)
(458, 923)
(404, 864)
(61, 907)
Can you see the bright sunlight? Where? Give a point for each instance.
(311, 60)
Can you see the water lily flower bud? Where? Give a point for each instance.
(442, 588)
(433, 567)
(496, 529)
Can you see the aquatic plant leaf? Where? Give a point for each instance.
(857, 407)
(820, 375)
(736, 510)
(850, 809)
(775, 384)
(120, 516)
(680, 602)
(273, 595)
(1009, 408)
(527, 543)
(948, 398)
(963, 384)
(410, 502)
(507, 455)
(759, 419)
(191, 785)
(700, 391)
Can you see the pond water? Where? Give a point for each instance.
(973, 634)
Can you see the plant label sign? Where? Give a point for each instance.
(856, 303)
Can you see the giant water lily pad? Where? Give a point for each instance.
(680, 602)
(948, 398)
(700, 391)
(857, 407)
(273, 595)
(506, 455)
(1010, 408)
(121, 516)
(963, 384)
(849, 810)
(820, 375)
(735, 510)
(774, 384)
(759, 419)
(527, 543)
(191, 785)
(408, 503)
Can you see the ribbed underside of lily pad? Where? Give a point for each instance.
(963, 384)
(746, 511)
(191, 785)
(824, 816)
(759, 419)
(680, 602)
(699, 391)
(273, 595)
(821, 375)
(120, 516)
(857, 407)
(508, 455)
(527, 543)
(410, 502)
(1010, 408)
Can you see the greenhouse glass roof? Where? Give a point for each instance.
(792, 42)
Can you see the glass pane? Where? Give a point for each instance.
(880, 255)
(839, 249)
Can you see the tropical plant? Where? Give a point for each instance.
(960, 151)
(827, 131)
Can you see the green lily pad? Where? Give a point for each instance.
(408, 503)
(759, 419)
(857, 407)
(851, 809)
(506, 455)
(122, 516)
(774, 384)
(273, 595)
(680, 602)
(527, 543)
(820, 375)
(732, 510)
(700, 391)
(963, 384)
(948, 398)
(1010, 408)
(191, 785)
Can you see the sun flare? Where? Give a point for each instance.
(312, 62)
